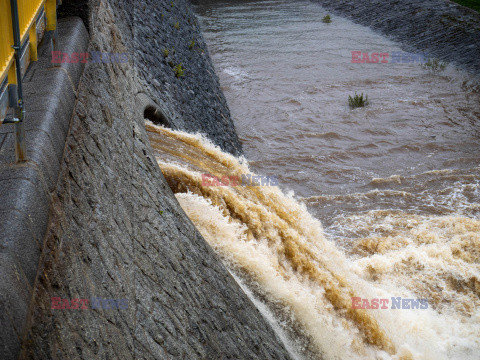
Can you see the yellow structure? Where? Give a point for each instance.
(29, 12)
(22, 25)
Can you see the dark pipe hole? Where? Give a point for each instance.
(154, 115)
(75, 8)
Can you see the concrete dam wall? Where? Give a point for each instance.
(116, 232)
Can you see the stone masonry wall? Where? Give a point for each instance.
(116, 230)
(442, 28)
(167, 34)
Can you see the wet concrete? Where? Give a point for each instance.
(50, 96)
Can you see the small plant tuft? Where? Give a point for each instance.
(357, 101)
(179, 70)
(327, 19)
(165, 53)
(434, 65)
(192, 45)
(177, 25)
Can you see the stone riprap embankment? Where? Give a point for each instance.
(167, 35)
(116, 230)
(441, 28)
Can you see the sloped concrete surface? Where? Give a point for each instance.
(49, 95)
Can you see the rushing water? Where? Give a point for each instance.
(395, 184)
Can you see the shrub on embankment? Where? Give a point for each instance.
(441, 28)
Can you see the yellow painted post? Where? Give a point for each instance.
(33, 42)
(6, 40)
(12, 74)
(51, 12)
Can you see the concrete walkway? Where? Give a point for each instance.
(50, 96)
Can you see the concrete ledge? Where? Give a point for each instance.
(50, 95)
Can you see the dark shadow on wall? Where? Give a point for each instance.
(156, 116)
(75, 8)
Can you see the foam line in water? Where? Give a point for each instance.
(281, 250)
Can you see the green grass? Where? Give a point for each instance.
(357, 101)
(472, 4)
(327, 19)
(179, 70)
(435, 66)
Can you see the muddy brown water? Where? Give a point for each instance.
(376, 202)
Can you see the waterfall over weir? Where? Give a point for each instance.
(270, 241)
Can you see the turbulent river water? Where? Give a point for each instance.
(378, 202)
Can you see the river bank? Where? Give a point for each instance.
(442, 28)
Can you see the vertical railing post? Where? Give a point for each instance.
(32, 34)
(20, 147)
(51, 12)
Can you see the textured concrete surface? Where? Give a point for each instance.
(116, 230)
(441, 28)
(25, 188)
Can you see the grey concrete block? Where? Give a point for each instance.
(52, 123)
(19, 243)
(14, 299)
(7, 146)
(59, 106)
(72, 37)
(51, 81)
(45, 154)
(25, 191)
(49, 124)
(41, 149)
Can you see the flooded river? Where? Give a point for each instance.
(375, 202)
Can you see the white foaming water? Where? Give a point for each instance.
(290, 344)
(280, 251)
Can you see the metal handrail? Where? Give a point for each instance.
(20, 146)
(19, 25)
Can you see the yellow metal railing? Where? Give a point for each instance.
(6, 38)
(28, 11)
(18, 29)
